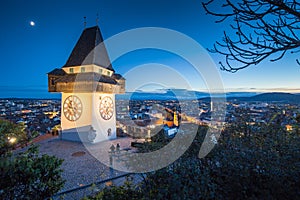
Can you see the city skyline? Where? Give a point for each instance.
(38, 36)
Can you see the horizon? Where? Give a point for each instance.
(240, 93)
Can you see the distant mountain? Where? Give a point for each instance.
(180, 94)
(183, 94)
(272, 97)
(170, 94)
(241, 94)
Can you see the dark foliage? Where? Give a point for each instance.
(250, 162)
(26, 175)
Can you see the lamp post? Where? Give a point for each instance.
(111, 160)
(12, 140)
(149, 128)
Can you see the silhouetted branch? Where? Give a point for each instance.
(260, 29)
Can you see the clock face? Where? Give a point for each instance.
(72, 108)
(106, 108)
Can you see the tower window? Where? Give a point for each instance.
(82, 69)
(100, 71)
(71, 70)
(108, 73)
(52, 81)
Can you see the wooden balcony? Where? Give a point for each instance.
(88, 86)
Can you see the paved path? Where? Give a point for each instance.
(43, 137)
(80, 167)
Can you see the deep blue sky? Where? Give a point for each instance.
(28, 53)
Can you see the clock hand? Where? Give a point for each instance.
(70, 105)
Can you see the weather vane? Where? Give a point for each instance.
(97, 19)
(84, 23)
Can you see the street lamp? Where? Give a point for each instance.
(149, 128)
(12, 140)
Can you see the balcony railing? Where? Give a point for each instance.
(86, 86)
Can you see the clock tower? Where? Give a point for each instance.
(88, 84)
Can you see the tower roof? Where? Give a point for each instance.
(88, 51)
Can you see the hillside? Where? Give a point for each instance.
(186, 95)
(272, 97)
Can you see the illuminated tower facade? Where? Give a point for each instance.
(88, 84)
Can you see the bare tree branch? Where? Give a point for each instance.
(260, 30)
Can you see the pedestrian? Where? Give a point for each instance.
(112, 148)
(118, 148)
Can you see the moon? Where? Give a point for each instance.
(32, 23)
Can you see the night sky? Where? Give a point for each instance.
(29, 52)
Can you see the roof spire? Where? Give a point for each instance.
(97, 19)
(84, 22)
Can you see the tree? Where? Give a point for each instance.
(263, 165)
(25, 175)
(11, 136)
(127, 191)
(261, 30)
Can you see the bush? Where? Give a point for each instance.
(26, 175)
(262, 164)
(124, 192)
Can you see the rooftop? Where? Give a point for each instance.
(90, 49)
